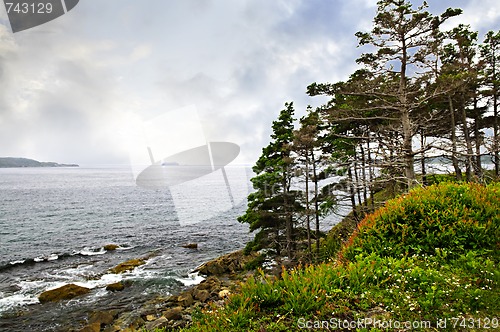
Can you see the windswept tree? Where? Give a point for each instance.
(271, 207)
(404, 41)
(460, 66)
(309, 147)
(490, 56)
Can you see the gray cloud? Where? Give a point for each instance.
(70, 89)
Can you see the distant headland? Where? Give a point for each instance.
(9, 162)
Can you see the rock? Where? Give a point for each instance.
(94, 327)
(128, 321)
(210, 284)
(173, 313)
(190, 246)
(65, 292)
(231, 263)
(127, 266)
(150, 318)
(201, 295)
(224, 293)
(185, 299)
(157, 324)
(111, 247)
(117, 286)
(102, 317)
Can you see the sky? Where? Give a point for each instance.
(85, 88)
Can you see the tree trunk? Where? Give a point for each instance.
(469, 164)
(356, 177)
(454, 159)
(477, 135)
(352, 194)
(371, 174)
(422, 162)
(288, 216)
(405, 120)
(308, 214)
(316, 203)
(363, 175)
(496, 139)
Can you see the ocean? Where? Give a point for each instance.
(55, 222)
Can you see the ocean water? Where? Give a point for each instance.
(54, 223)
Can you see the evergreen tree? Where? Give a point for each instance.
(271, 207)
(405, 40)
(490, 56)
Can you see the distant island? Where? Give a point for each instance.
(9, 162)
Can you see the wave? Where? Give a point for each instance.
(86, 251)
(191, 280)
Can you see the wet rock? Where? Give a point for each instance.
(157, 324)
(185, 299)
(173, 313)
(201, 295)
(228, 264)
(102, 317)
(209, 284)
(95, 327)
(190, 246)
(65, 292)
(129, 321)
(111, 247)
(127, 266)
(115, 287)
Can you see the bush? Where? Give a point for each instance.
(444, 219)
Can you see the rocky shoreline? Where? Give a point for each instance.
(222, 276)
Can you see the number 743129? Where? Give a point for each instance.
(29, 8)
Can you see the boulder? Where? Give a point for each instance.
(111, 247)
(94, 327)
(115, 287)
(65, 292)
(173, 313)
(201, 295)
(210, 284)
(157, 324)
(231, 263)
(127, 266)
(185, 299)
(102, 317)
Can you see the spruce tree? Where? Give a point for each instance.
(271, 206)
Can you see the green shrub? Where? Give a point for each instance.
(255, 263)
(445, 219)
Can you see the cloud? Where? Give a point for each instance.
(71, 88)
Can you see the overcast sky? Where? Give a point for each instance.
(75, 89)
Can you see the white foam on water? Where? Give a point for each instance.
(51, 257)
(102, 282)
(17, 300)
(91, 252)
(191, 280)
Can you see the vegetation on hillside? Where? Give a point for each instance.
(386, 274)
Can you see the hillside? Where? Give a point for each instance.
(9, 162)
(427, 260)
